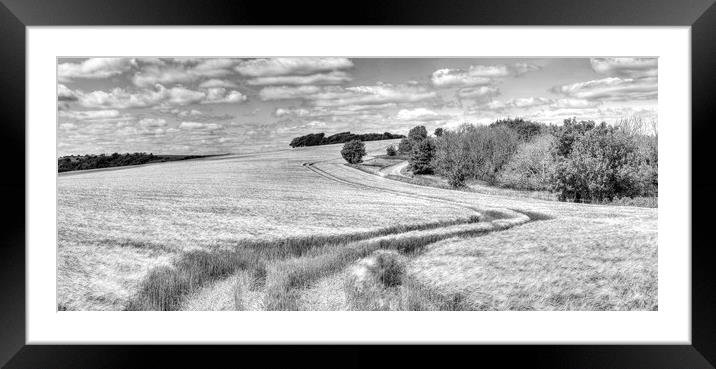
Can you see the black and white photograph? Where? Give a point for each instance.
(357, 184)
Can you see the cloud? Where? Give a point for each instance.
(65, 94)
(296, 112)
(200, 126)
(478, 75)
(90, 114)
(528, 102)
(171, 72)
(606, 114)
(219, 95)
(456, 78)
(119, 98)
(94, 68)
(330, 112)
(217, 83)
(185, 113)
(523, 103)
(626, 67)
(286, 92)
(420, 114)
(335, 96)
(67, 126)
(477, 93)
(331, 78)
(290, 66)
(574, 103)
(611, 89)
(195, 115)
(152, 122)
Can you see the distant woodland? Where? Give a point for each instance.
(82, 162)
(315, 139)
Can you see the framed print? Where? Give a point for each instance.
(487, 175)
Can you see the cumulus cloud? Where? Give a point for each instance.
(611, 89)
(314, 112)
(152, 122)
(65, 94)
(220, 95)
(456, 78)
(523, 103)
(331, 78)
(186, 113)
(575, 103)
(200, 126)
(296, 112)
(477, 75)
(420, 114)
(217, 83)
(335, 96)
(478, 93)
(90, 114)
(194, 115)
(120, 98)
(170, 72)
(290, 66)
(94, 68)
(287, 92)
(626, 67)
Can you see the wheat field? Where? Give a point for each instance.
(291, 230)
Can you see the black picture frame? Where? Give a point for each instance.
(16, 15)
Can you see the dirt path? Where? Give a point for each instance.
(394, 170)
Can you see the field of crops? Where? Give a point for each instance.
(286, 230)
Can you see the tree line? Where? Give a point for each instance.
(315, 139)
(82, 162)
(581, 161)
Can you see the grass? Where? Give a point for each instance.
(165, 287)
(645, 202)
(286, 278)
(261, 232)
(560, 272)
(115, 226)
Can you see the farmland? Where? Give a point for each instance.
(290, 230)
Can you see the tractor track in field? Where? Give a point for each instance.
(312, 167)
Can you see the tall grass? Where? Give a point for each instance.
(286, 278)
(165, 288)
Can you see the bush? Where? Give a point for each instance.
(405, 147)
(391, 151)
(476, 152)
(353, 151)
(438, 132)
(603, 163)
(529, 168)
(421, 157)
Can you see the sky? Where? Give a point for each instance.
(237, 105)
